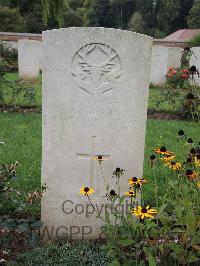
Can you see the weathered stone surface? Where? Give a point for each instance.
(174, 56)
(95, 93)
(29, 59)
(159, 64)
(195, 60)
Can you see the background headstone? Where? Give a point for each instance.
(159, 64)
(29, 59)
(195, 60)
(95, 93)
(174, 56)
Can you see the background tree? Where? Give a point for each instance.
(168, 14)
(194, 15)
(136, 23)
(11, 20)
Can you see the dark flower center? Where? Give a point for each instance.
(187, 49)
(168, 155)
(118, 170)
(163, 149)
(189, 140)
(134, 179)
(131, 192)
(198, 157)
(189, 160)
(144, 210)
(189, 172)
(193, 151)
(112, 192)
(152, 157)
(173, 163)
(100, 157)
(190, 96)
(193, 69)
(181, 132)
(86, 189)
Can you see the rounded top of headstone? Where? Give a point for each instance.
(97, 30)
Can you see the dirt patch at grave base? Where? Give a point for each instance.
(23, 110)
(13, 245)
(151, 113)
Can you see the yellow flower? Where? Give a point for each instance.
(191, 174)
(136, 181)
(197, 160)
(86, 191)
(163, 151)
(168, 158)
(129, 193)
(173, 165)
(98, 158)
(143, 212)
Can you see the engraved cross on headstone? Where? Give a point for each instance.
(92, 156)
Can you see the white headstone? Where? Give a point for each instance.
(174, 56)
(95, 93)
(195, 61)
(29, 59)
(159, 64)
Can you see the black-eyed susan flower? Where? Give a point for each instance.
(181, 134)
(193, 151)
(168, 158)
(197, 160)
(190, 96)
(86, 191)
(99, 158)
(174, 165)
(136, 181)
(152, 160)
(129, 193)
(191, 174)
(118, 171)
(112, 193)
(189, 141)
(144, 212)
(163, 151)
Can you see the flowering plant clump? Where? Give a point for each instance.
(169, 233)
(178, 77)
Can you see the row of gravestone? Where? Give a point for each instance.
(30, 60)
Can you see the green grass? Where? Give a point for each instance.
(37, 85)
(22, 136)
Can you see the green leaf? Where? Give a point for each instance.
(115, 263)
(23, 227)
(36, 225)
(126, 242)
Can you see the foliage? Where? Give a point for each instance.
(11, 20)
(166, 235)
(178, 78)
(136, 23)
(78, 253)
(193, 18)
(11, 91)
(11, 223)
(160, 17)
(195, 41)
(9, 59)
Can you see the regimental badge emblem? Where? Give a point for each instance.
(96, 68)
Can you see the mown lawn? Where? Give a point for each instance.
(22, 136)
